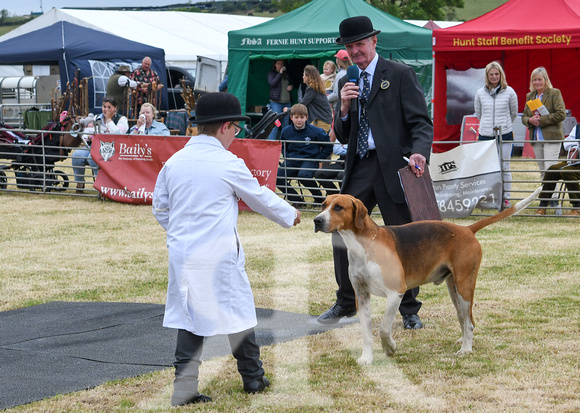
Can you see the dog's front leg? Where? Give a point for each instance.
(365, 317)
(385, 330)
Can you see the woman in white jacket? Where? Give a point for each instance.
(496, 107)
(111, 122)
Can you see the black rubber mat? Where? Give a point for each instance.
(61, 347)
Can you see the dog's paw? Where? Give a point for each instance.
(389, 345)
(363, 361)
(463, 352)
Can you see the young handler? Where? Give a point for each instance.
(196, 201)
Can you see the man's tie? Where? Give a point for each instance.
(362, 146)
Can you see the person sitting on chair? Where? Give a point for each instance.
(147, 125)
(568, 171)
(111, 122)
(301, 159)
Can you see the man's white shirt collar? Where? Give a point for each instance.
(371, 67)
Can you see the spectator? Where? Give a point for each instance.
(119, 85)
(301, 158)
(568, 171)
(328, 75)
(545, 128)
(196, 201)
(332, 170)
(319, 111)
(393, 124)
(147, 125)
(342, 62)
(110, 121)
(280, 88)
(145, 77)
(496, 107)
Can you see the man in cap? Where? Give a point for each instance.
(383, 117)
(196, 201)
(117, 87)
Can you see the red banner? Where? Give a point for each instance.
(129, 164)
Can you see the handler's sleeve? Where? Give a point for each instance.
(161, 200)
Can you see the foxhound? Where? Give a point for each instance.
(388, 260)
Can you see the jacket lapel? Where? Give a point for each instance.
(545, 96)
(380, 77)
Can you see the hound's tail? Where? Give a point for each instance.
(517, 208)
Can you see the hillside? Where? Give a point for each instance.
(476, 8)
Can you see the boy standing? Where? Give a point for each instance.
(302, 156)
(196, 201)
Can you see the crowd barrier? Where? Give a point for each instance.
(46, 173)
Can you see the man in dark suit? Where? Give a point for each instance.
(381, 123)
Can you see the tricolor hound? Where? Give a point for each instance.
(387, 261)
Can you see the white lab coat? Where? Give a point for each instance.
(196, 201)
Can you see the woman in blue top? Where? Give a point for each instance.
(147, 125)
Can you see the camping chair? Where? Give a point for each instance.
(265, 125)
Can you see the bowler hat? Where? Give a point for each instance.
(124, 68)
(354, 29)
(218, 107)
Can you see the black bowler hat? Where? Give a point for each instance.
(218, 107)
(354, 29)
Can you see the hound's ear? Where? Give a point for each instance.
(360, 213)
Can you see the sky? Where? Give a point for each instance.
(23, 7)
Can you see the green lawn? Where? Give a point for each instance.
(476, 8)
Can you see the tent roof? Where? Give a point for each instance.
(46, 46)
(517, 24)
(314, 27)
(182, 35)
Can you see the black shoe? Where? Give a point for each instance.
(256, 386)
(180, 398)
(335, 313)
(412, 322)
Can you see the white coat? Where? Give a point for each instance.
(196, 201)
(500, 109)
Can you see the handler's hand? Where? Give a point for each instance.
(297, 219)
(349, 91)
(418, 163)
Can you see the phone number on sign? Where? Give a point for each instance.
(467, 204)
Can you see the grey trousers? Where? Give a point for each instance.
(188, 350)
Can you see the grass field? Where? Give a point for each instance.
(6, 29)
(526, 313)
(476, 8)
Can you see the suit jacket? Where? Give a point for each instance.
(551, 124)
(398, 119)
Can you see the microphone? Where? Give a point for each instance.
(352, 75)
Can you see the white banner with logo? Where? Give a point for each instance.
(465, 178)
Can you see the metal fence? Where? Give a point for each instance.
(27, 164)
(13, 113)
(40, 169)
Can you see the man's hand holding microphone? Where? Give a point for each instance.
(350, 92)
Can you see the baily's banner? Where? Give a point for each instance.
(465, 178)
(129, 164)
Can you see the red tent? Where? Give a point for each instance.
(521, 35)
